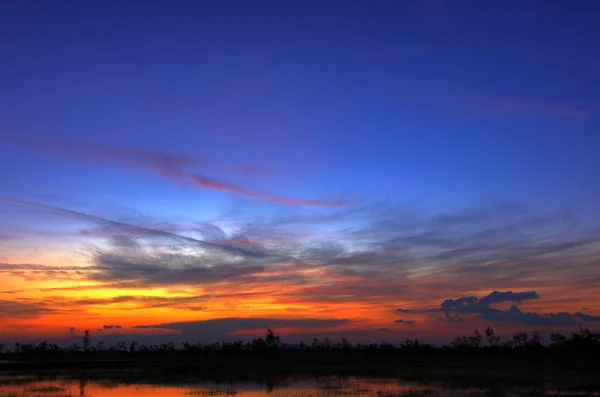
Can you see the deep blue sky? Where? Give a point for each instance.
(233, 110)
(364, 99)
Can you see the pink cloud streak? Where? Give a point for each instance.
(209, 183)
(169, 166)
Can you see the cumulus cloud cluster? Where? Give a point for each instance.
(452, 308)
(455, 309)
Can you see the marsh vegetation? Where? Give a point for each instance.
(269, 354)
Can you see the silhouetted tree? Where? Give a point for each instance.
(460, 342)
(520, 340)
(536, 340)
(344, 344)
(43, 347)
(99, 346)
(271, 339)
(73, 348)
(86, 340)
(133, 346)
(491, 337)
(558, 340)
(412, 344)
(315, 343)
(475, 340)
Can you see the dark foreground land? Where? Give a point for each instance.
(521, 357)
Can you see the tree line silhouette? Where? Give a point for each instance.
(581, 349)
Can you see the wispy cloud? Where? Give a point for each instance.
(133, 230)
(165, 164)
(173, 167)
(140, 302)
(210, 183)
(10, 309)
(369, 259)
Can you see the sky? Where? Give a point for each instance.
(374, 170)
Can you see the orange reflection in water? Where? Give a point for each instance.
(331, 386)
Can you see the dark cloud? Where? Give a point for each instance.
(10, 267)
(453, 308)
(405, 311)
(59, 304)
(22, 309)
(453, 320)
(508, 296)
(582, 317)
(217, 329)
(143, 301)
(169, 266)
(111, 327)
(400, 321)
(481, 308)
(147, 326)
(39, 273)
(127, 302)
(515, 315)
(96, 286)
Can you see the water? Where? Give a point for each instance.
(91, 385)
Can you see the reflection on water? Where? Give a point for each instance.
(66, 385)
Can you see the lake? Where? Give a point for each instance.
(128, 384)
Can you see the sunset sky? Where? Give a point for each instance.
(377, 170)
